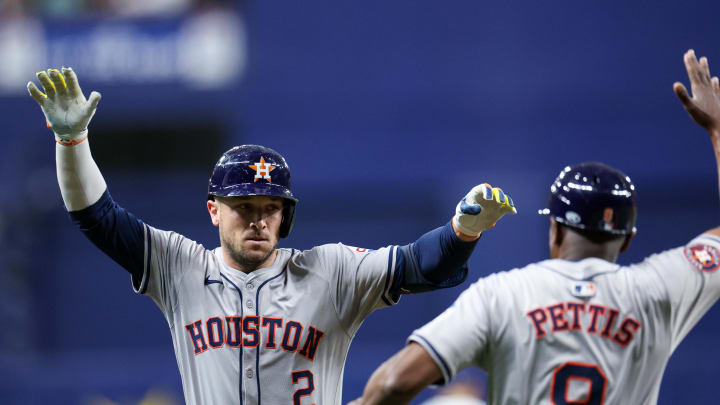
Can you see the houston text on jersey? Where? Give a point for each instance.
(236, 331)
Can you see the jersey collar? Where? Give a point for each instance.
(257, 276)
(584, 269)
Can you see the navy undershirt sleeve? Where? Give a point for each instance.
(116, 232)
(438, 259)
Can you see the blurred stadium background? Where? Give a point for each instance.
(387, 111)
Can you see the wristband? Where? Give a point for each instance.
(456, 229)
(68, 141)
(72, 142)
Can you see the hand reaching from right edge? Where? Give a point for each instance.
(704, 106)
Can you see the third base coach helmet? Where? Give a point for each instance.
(254, 170)
(594, 197)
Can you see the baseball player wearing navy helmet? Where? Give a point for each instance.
(577, 328)
(593, 197)
(252, 323)
(238, 170)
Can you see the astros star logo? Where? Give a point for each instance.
(262, 170)
(703, 257)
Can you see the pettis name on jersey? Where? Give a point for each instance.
(581, 317)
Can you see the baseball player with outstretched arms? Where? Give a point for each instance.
(252, 323)
(578, 328)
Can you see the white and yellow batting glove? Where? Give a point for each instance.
(66, 110)
(480, 209)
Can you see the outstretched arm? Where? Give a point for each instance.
(68, 114)
(110, 227)
(401, 378)
(438, 258)
(704, 105)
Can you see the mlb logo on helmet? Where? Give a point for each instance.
(703, 257)
(573, 217)
(594, 197)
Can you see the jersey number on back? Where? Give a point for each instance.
(302, 392)
(580, 377)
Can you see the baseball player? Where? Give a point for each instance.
(251, 323)
(578, 328)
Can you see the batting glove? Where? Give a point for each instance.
(66, 110)
(480, 209)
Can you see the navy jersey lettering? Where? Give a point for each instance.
(311, 343)
(271, 324)
(567, 316)
(292, 328)
(195, 330)
(234, 331)
(251, 333)
(237, 332)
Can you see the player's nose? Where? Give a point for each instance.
(258, 222)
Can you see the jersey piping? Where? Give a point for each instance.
(147, 247)
(240, 352)
(447, 375)
(257, 313)
(386, 297)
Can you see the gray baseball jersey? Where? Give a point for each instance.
(278, 335)
(590, 331)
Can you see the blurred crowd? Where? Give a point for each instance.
(113, 8)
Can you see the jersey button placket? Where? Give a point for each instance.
(249, 353)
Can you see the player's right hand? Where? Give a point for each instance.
(66, 110)
(704, 106)
(480, 209)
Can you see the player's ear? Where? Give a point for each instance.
(557, 233)
(212, 207)
(553, 244)
(626, 242)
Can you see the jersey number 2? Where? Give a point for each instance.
(302, 392)
(590, 374)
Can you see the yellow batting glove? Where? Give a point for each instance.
(480, 210)
(66, 110)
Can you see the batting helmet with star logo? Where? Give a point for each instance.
(254, 170)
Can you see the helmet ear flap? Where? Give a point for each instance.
(288, 218)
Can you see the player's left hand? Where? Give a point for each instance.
(704, 106)
(480, 210)
(66, 110)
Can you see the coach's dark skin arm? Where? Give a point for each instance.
(704, 106)
(401, 378)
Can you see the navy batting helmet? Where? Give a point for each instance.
(254, 170)
(594, 197)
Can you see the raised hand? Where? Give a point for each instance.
(66, 110)
(704, 105)
(480, 209)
